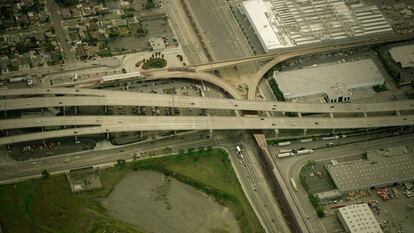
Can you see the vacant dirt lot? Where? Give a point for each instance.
(161, 204)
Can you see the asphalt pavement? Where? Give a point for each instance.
(56, 20)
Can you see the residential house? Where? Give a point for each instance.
(4, 64)
(24, 61)
(65, 12)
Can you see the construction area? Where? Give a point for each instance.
(289, 23)
(84, 179)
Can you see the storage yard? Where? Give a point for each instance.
(388, 188)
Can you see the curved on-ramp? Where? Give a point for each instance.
(349, 44)
(201, 76)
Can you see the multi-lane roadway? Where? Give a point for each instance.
(106, 124)
(93, 97)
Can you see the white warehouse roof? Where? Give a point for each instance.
(359, 219)
(260, 17)
(403, 54)
(318, 80)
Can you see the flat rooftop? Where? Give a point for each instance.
(318, 79)
(288, 23)
(381, 171)
(260, 16)
(359, 219)
(404, 54)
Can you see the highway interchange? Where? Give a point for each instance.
(270, 216)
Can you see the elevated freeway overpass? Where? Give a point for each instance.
(95, 97)
(109, 124)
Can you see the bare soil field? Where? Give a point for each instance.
(161, 204)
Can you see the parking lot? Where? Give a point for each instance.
(317, 178)
(156, 28)
(170, 87)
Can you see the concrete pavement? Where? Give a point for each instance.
(94, 97)
(107, 124)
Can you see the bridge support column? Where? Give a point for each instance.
(106, 110)
(211, 133)
(64, 114)
(299, 114)
(276, 132)
(8, 146)
(365, 115)
(141, 134)
(331, 115)
(43, 140)
(107, 136)
(397, 113)
(305, 131)
(76, 110)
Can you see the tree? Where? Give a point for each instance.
(320, 212)
(150, 4)
(120, 163)
(142, 32)
(45, 174)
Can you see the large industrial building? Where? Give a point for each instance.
(334, 81)
(358, 219)
(376, 171)
(403, 55)
(288, 23)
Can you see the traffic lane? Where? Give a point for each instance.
(103, 124)
(78, 160)
(257, 185)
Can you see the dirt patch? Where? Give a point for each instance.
(161, 204)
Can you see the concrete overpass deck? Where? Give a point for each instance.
(106, 124)
(119, 98)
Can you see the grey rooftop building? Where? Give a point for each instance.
(377, 172)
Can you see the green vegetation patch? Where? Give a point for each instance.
(211, 172)
(380, 88)
(275, 88)
(48, 205)
(154, 62)
(314, 201)
(123, 30)
(389, 64)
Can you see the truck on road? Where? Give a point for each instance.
(238, 150)
(284, 143)
(304, 151)
(293, 183)
(284, 155)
